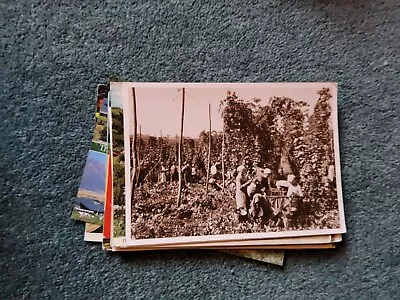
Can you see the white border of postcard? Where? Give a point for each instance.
(127, 103)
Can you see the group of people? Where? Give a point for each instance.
(170, 174)
(257, 198)
(258, 192)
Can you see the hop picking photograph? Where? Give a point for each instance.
(229, 159)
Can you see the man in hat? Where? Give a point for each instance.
(264, 177)
(214, 171)
(292, 209)
(186, 173)
(291, 186)
(257, 190)
(163, 174)
(241, 191)
(294, 187)
(230, 178)
(255, 170)
(173, 173)
(331, 175)
(193, 174)
(281, 175)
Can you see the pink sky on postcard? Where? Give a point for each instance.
(159, 105)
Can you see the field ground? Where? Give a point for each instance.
(155, 214)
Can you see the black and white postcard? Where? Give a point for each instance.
(228, 161)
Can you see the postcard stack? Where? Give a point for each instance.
(248, 168)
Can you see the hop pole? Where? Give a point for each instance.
(133, 146)
(161, 145)
(178, 201)
(138, 155)
(209, 148)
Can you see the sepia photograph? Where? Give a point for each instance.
(230, 159)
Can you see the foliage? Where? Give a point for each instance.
(118, 158)
(270, 135)
(239, 127)
(119, 223)
(320, 154)
(288, 132)
(276, 134)
(118, 181)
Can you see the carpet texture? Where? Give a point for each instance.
(53, 53)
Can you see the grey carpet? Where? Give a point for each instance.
(53, 53)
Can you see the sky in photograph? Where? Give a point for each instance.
(159, 106)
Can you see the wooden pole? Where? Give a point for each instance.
(223, 160)
(176, 149)
(180, 151)
(160, 157)
(139, 143)
(133, 147)
(209, 149)
(161, 145)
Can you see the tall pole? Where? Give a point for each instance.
(160, 158)
(223, 160)
(176, 149)
(180, 151)
(133, 147)
(139, 143)
(209, 149)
